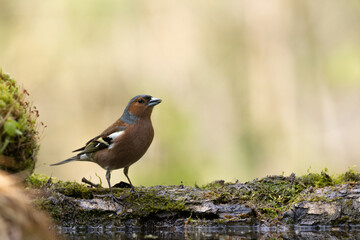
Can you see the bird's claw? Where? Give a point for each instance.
(134, 191)
(115, 199)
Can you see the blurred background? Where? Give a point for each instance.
(249, 88)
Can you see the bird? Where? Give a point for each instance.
(124, 142)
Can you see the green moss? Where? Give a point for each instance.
(18, 127)
(150, 202)
(219, 192)
(317, 180)
(269, 212)
(68, 188)
(36, 180)
(349, 176)
(75, 190)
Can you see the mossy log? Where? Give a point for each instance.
(310, 200)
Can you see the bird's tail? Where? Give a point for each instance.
(74, 158)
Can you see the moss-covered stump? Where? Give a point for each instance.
(18, 129)
(310, 200)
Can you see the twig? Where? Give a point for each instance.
(84, 180)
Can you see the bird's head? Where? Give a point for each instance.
(140, 106)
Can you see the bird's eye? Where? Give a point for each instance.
(140, 100)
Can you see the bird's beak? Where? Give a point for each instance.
(154, 101)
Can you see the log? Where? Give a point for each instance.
(313, 200)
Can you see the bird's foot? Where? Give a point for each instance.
(127, 185)
(116, 200)
(133, 190)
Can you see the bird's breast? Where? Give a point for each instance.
(127, 148)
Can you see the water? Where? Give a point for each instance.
(221, 233)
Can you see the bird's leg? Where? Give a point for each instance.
(126, 170)
(113, 198)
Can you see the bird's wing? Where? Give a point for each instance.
(82, 148)
(101, 142)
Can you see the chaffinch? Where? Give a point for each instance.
(124, 142)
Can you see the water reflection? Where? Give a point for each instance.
(221, 233)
